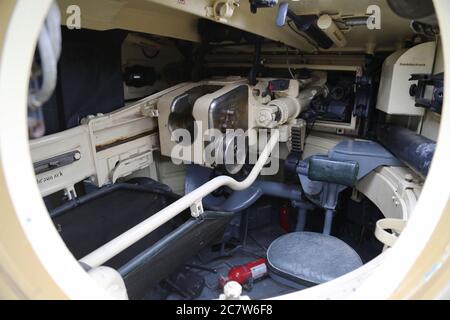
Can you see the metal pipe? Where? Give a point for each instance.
(414, 150)
(66, 207)
(280, 190)
(329, 214)
(301, 219)
(128, 238)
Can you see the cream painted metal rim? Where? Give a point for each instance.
(35, 263)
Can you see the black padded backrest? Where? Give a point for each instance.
(99, 219)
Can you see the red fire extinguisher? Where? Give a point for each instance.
(246, 274)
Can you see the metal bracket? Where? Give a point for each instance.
(419, 91)
(70, 192)
(128, 166)
(197, 209)
(368, 155)
(149, 109)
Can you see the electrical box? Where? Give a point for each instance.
(393, 95)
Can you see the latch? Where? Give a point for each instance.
(56, 162)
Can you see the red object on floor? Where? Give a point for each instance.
(284, 219)
(247, 273)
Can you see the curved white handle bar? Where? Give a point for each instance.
(128, 238)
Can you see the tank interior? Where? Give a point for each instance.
(347, 106)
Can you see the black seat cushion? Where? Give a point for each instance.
(309, 258)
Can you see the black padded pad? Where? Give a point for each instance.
(309, 258)
(94, 223)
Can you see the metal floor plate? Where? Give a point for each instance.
(256, 242)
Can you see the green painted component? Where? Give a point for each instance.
(321, 168)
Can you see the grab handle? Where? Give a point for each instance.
(133, 235)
